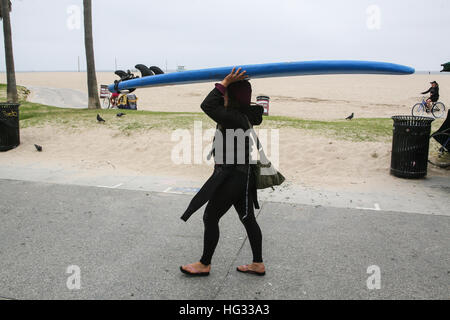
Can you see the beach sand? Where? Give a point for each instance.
(306, 97)
(306, 158)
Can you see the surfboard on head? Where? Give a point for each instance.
(268, 70)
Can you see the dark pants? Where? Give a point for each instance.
(433, 98)
(234, 191)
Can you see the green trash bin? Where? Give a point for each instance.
(9, 126)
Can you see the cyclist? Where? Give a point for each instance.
(434, 94)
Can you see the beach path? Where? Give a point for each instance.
(129, 245)
(58, 97)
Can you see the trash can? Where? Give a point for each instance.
(410, 144)
(264, 101)
(9, 126)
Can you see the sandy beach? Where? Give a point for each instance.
(311, 161)
(306, 158)
(307, 97)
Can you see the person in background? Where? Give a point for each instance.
(113, 99)
(434, 94)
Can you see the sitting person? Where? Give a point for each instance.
(113, 99)
(434, 94)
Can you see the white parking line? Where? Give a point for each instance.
(375, 208)
(181, 190)
(113, 187)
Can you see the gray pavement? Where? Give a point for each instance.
(130, 243)
(428, 196)
(60, 97)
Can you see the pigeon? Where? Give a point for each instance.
(38, 147)
(350, 117)
(120, 114)
(100, 119)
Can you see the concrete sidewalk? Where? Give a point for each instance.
(130, 243)
(59, 97)
(428, 196)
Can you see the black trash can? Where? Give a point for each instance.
(9, 126)
(410, 145)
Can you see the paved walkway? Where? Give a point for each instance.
(64, 98)
(429, 196)
(128, 244)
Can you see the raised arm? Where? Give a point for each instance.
(426, 91)
(214, 105)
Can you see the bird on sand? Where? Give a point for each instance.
(350, 117)
(38, 147)
(100, 119)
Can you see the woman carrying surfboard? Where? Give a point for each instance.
(232, 182)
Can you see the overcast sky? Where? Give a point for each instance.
(48, 34)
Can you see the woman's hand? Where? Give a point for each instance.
(234, 76)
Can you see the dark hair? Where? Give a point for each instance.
(239, 94)
(233, 103)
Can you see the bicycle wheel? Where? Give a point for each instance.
(418, 110)
(106, 103)
(438, 110)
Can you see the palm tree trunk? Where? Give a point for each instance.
(94, 101)
(9, 57)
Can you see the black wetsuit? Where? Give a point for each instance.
(232, 182)
(434, 93)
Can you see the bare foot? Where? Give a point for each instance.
(196, 268)
(258, 268)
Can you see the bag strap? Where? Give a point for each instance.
(259, 146)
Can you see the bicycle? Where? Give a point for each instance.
(421, 109)
(442, 150)
(105, 97)
(106, 103)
